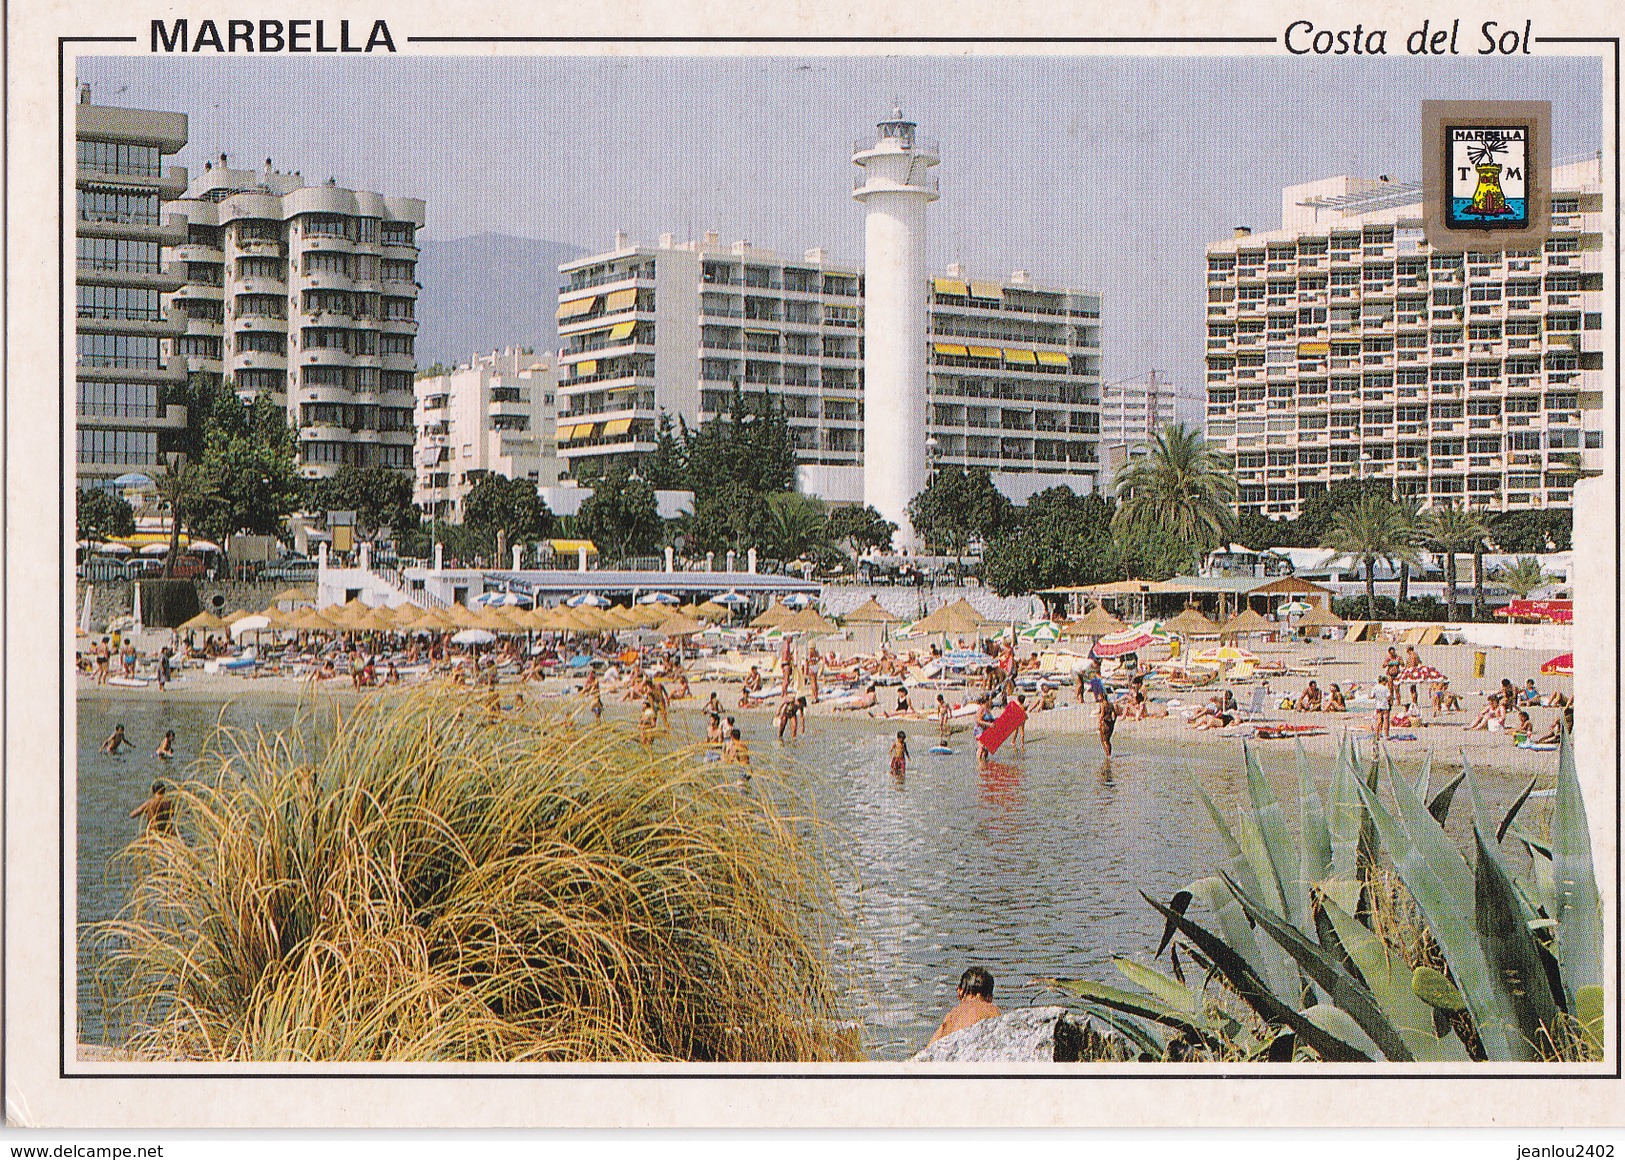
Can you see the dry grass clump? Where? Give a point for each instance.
(425, 879)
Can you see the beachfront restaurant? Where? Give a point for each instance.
(1217, 597)
(552, 586)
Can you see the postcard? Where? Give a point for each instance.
(649, 567)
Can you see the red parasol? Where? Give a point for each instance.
(1416, 674)
(1559, 666)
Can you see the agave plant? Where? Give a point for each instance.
(1286, 931)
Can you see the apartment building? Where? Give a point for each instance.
(1341, 346)
(308, 294)
(124, 367)
(1013, 367)
(1134, 410)
(494, 414)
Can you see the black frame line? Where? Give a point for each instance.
(609, 1072)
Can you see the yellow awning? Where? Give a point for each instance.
(617, 427)
(1019, 354)
(949, 348)
(576, 306)
(589, 367)
(986, 290)
(1314, 348)
(620, 300)
(984, 352)
(1052, 358)
(621, 330)
(951, 286)
(583, 431)
(572, 547)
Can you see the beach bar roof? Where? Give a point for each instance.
(959, 617)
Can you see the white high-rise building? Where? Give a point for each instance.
(125, 366)
(1342, 346)
(492, 415)
(896, 186)
(307, 293)
(1134, 410)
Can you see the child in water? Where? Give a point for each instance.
(899, 754)
(166, 747)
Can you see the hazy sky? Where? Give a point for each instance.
(1108, 173)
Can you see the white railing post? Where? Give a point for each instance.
(581, 558)
(439, 556)
(517, 550)
(366, 556)
(750, 561)
(710, 561)
(321, 556)
(730, 560)
(670, 559)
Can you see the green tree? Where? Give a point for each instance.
(1413, 525)
(665, 467)
(98, 514)
(1522, 577)
(1369, 530)
(622, 516)
(502, 511)
(1057, 538)
(1179, 486)
(380, 497)
(749, 445)
(957, 507)
(1316, 512)
(1258, 531)
(1453, 530)
(798, 525)
(1141, 552)
(732, 517)
(859, 527)
(1534, 530)
(187, 490)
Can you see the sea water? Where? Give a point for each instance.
(1032, 869)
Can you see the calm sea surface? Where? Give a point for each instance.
(1030, 869)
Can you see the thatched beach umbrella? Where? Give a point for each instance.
(711, 612)
(1318, 617)
(959, 617)
(1248, 622)
(1192, 622)
(1096, 622)
(204, 620)
(293, 597)
(871, 611)
(775, 615)
(808, 620)
(679, 624)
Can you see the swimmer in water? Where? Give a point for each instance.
(117, 740)
(899, 755)
(166, 747)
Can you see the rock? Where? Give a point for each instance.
(1027, 1035)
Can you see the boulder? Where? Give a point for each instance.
(1027, 1035)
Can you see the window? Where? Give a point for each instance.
(326, 302)
(323, 225)
(366, 230)
(1523, 441)
(198, 346)
(318, 262)
(398, 233)
(366, 342)
(396, 270)
(317, 453)
(117, 447)
(1484, 445)
(263, 341)
(1483, 406)
(1563, 440)
(118, 254)
(325, 338)
(125, 302)
(132, 208)
(260, 306)
(399, 308)
(396, 343)
(1593, 440)
(118, 350)
(120, 157)
(260, 379)
(122, 400)
(1447, 410)
(1448, 373)
(392, 455)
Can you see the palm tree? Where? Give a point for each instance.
(1453, 530)
(1180, 486)
(1410, 514)
(1521, 578)
(185, 488)
(797, 524)
(1371, 529)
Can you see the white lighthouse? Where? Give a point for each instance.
(895, 187)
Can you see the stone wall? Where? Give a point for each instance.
(115, 598)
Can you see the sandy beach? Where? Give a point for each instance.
(1076, 724)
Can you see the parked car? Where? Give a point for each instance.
(292, 569)
(187, 567)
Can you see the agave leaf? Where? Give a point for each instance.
(1389, 980)
(1181, 902)
(1141, 1006)
(1506, 822)
(1317, 839)
(1502, 926)
(1436, 991)
(1337, 1022)
(1579, 906)
(1345, 815)
(1430, 874)
(1344, 990)
(1176, 995)
(1252, 990)
(1285, 862)
(1439, 805)
(1142, 1033)
(1263, 955)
